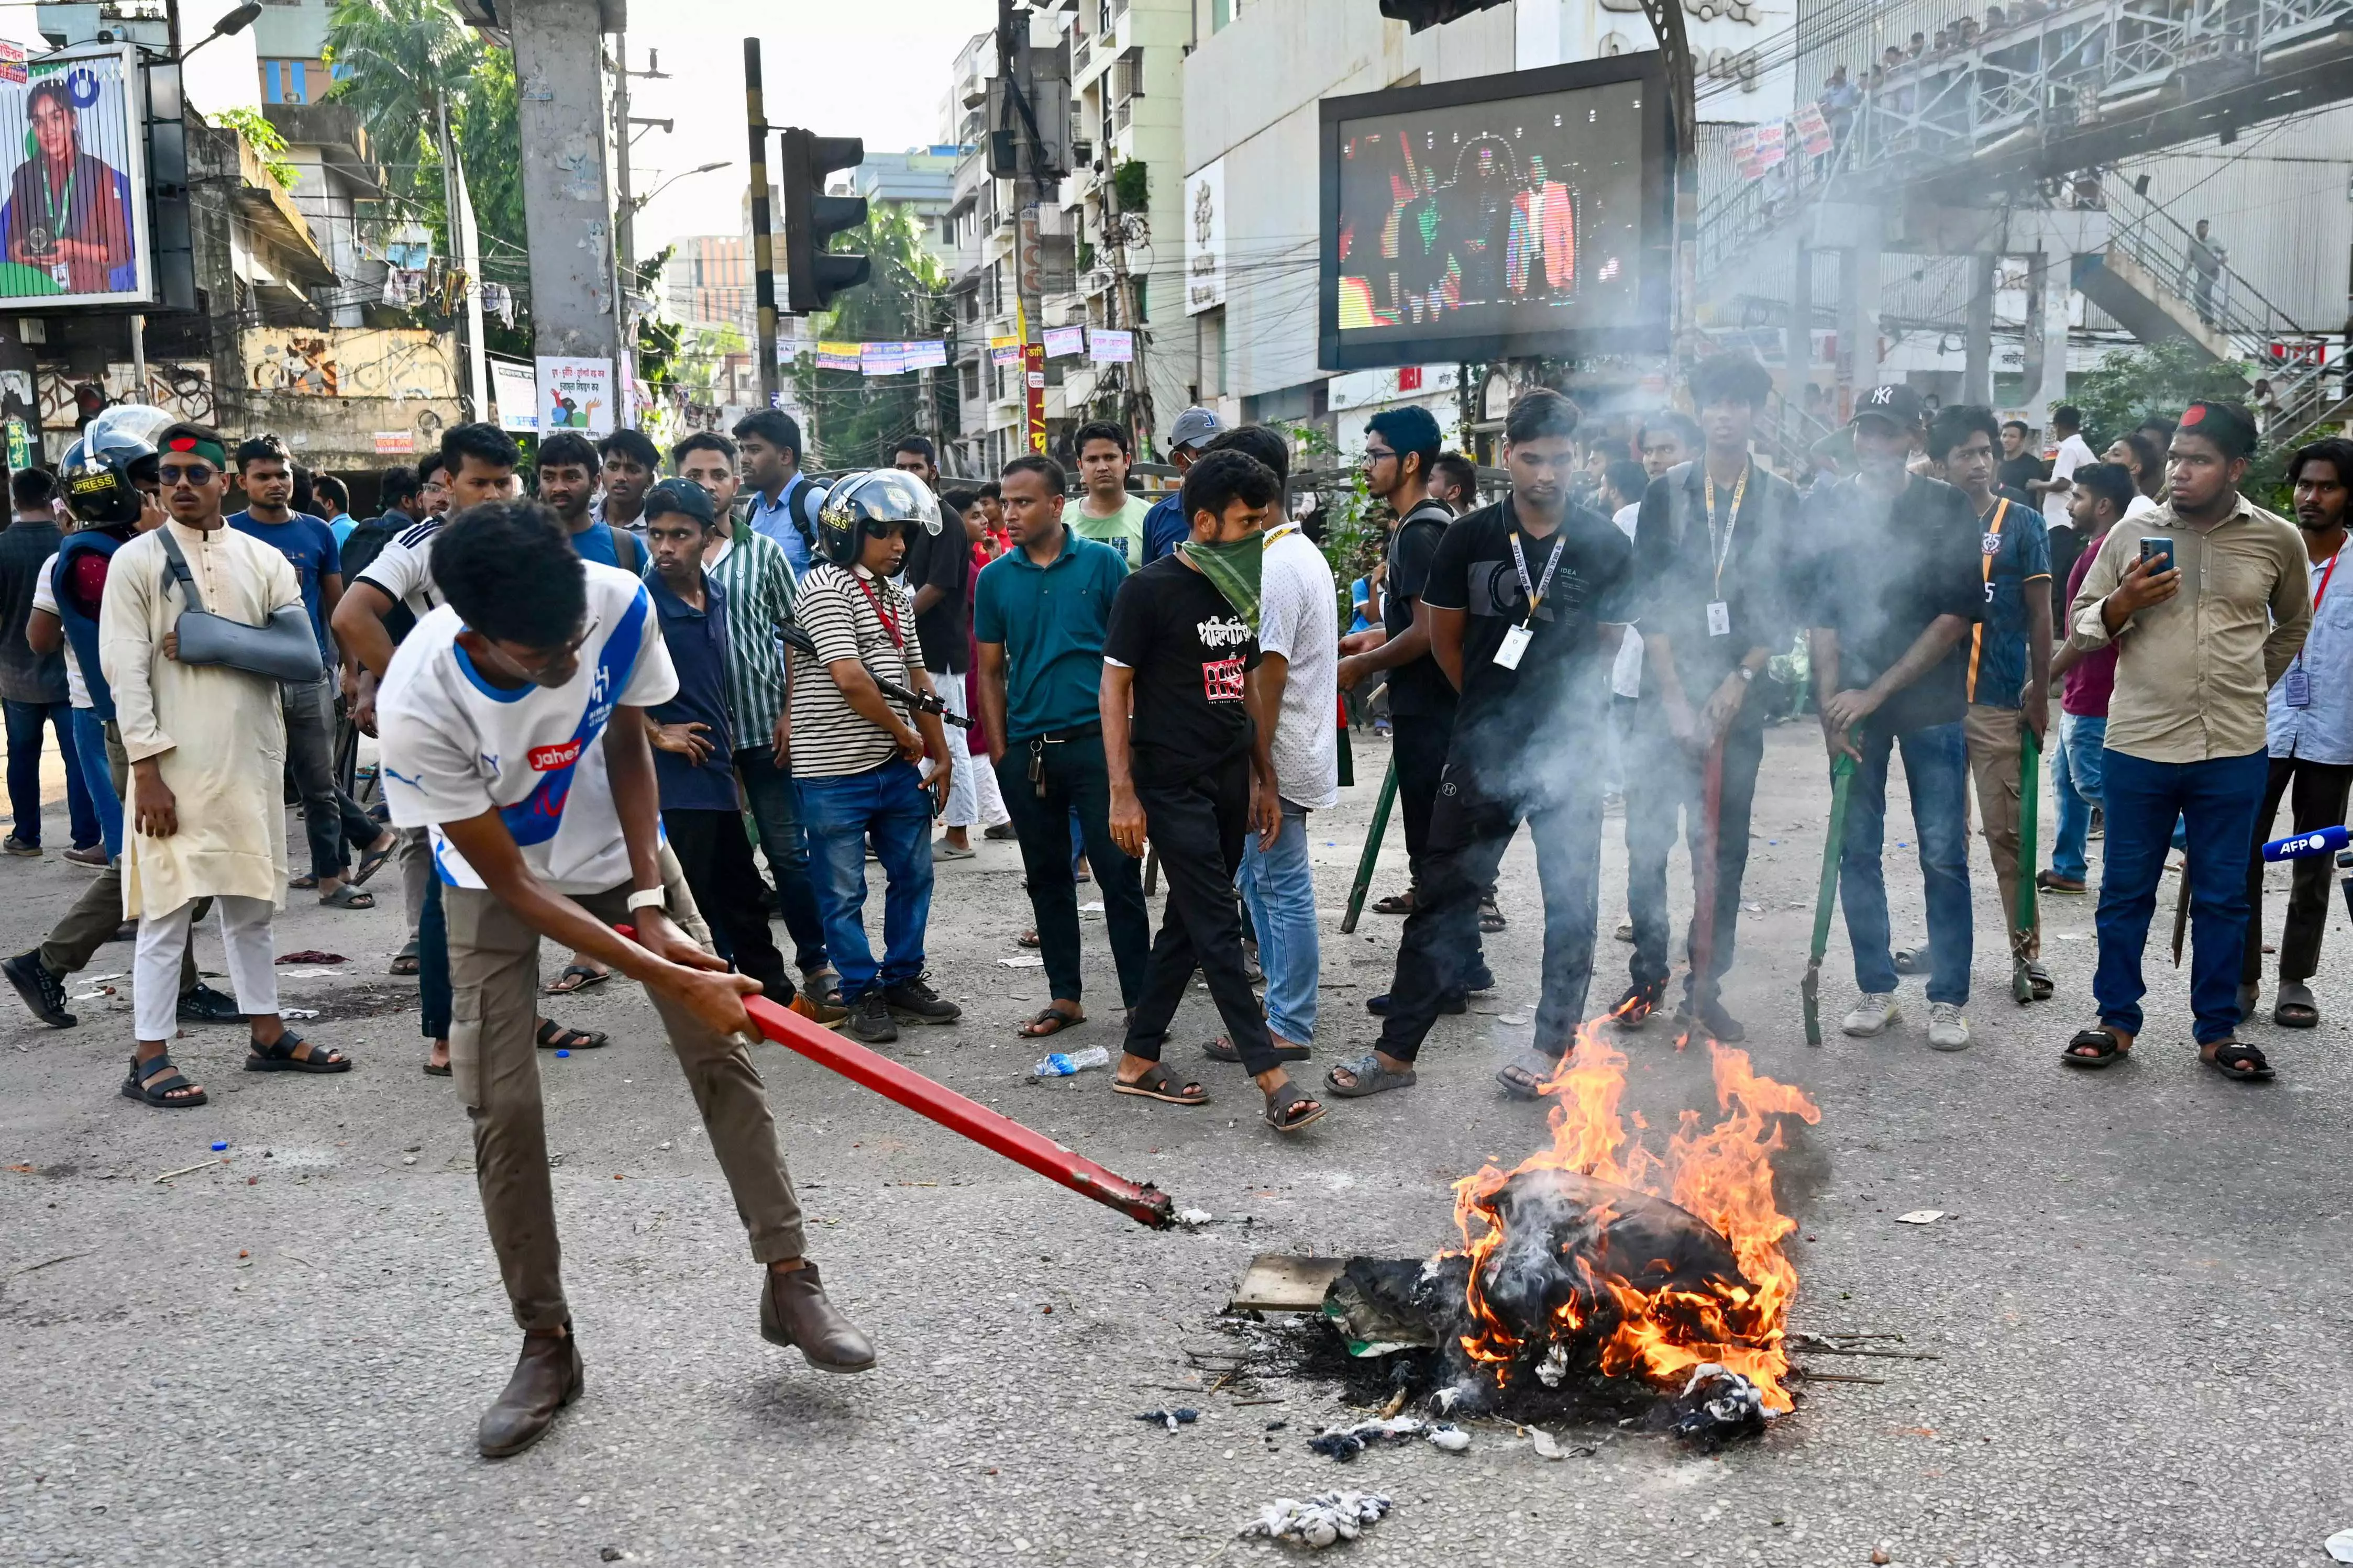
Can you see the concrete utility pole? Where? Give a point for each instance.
(567, 208)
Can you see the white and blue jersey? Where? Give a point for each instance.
(455, 746)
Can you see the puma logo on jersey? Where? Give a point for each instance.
(548, 759)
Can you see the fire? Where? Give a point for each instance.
(1722, 1175)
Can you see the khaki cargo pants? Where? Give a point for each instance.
(494, 1063)
(1994, 760)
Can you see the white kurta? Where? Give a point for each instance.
(221, 733)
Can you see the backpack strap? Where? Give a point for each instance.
(633, 558)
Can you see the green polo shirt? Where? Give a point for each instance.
(1052, 620)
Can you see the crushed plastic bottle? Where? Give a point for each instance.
(1063, 1064)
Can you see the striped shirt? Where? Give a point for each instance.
(830, 738)
(403, 570)
(753, 574)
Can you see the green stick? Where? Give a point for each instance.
(1372, 855)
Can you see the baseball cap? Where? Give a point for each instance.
(1193, 428)
(1897, 402)
(681, 495)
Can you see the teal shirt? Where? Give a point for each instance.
(1052, 620)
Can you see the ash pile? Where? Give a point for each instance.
(1583, 1302)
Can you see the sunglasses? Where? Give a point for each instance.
(191, 473)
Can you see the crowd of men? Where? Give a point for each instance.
(601, 712)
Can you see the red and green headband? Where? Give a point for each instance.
(210, 450)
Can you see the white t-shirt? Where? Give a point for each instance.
(45, 597)
(402, 569)
(455, 746)
(1626, 673)
(1299, 619)
(2140, 505)
(2073, 453)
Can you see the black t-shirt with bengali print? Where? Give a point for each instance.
(1560, 688)
(1188, 650)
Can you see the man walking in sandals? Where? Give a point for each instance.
(1183, 635)
(2206, 601)
(208, 750)
(513, 724)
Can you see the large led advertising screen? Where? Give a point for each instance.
(1499, 217)
(73, 180)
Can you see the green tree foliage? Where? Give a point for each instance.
(262, 137)
(2130, 385)
(854, 418)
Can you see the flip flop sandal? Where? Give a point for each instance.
(280, 1058)
(581, 977)
(2039, 979)
(348, 898)
(1367, 1076)
(2295, 1009)
(1491, 919)
(306, 880)
(1027, 938)
(1221, 1049)
(153, 1081)
(1911, 960)
(555, 1037)
(1524, 1075)
(1050, 1021)
(1288, 1099)
(371, 861)
(406, 961)
(1153, 1083)
(2095, 1048)
(432, 1071)
(1395, 904)
(2238, 1062)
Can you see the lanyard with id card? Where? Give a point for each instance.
(1719, 612)
(2296, 686)
(1515, 646)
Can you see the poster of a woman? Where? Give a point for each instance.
(69, 226)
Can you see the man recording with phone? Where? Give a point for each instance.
(2207, 603)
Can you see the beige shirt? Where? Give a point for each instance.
(220, 734)
(2191, 673)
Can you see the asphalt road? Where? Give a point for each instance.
(2134, 1301)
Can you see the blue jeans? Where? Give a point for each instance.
(2218, 799)
(775, 813)
(26, 722)
(1280, 890)
(837, 815)
(1936, 766)
(2075, 779)
(98, 777)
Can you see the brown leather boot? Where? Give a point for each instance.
(794, 1311)
(546, 1379)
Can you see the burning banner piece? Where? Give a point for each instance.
(1599, 1252)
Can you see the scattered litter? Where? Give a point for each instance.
(1065, 1063)
(1021, 961)
(1450, 1437)
(1172, 1419)
(92, 996)
(1192, 1217)
(1718, 1405)
(48, 1263)
(298, 1013)
(1093, 908)
(1880, 1556)
(663, 1144)
(1754, 909)
(1920, 1217)
(1272, 1426)
(22, 1169)
(1513, 1018)
(311, 974)
(564, 1053)
(1320, 1519)
(97, 979)
(2341, 1546)
(408, 1159)
(311, 955)
(1345, 1443)
(218, 1147)
(1547, 1446)
(191, 1170)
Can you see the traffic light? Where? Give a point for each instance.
(813, 276)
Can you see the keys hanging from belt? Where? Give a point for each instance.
(1037, 767)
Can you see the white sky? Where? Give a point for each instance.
(875, 69)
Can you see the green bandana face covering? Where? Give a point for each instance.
(1233, 570)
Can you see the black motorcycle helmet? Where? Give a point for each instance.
(103, 471)
(860, 503)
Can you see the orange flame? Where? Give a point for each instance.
(1723, 1174)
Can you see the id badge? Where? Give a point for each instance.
(2296, 686)
(1515, 646)
(1719, 619)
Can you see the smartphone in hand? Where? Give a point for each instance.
(2156, 554)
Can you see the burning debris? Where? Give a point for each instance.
(1600, 1265)
(1345, 1443)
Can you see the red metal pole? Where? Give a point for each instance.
(1144, 1204)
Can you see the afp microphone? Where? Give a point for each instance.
(2297, 846)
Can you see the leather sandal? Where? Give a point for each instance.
(1291, 1107)
(278, 1056)
(159, 1082)
(1154, 1083)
